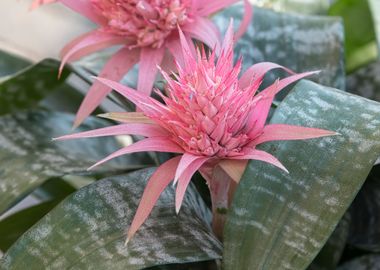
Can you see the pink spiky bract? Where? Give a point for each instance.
(210, 117)
(148, 28)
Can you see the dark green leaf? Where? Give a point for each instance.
(281, 221)
(28, 157)
(87, 231)
(10, 64)
(365, 211)
(28, 87)
(369, 262)
(12, 227)
(330, 255)
(301, 43)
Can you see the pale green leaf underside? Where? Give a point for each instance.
(281, 221)
(28, 156)
(87, 231)
(301, 43)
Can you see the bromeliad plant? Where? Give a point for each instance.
(234, 181)
(213, 119)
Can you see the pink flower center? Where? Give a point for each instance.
(143, 22)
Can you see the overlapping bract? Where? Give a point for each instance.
(148, 31)
(210, 117)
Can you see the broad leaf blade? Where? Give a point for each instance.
(368, 262)
(87, 231)
(28, 87)
(298, 42)
(28, 157)
(281, 221)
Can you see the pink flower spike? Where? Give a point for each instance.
(149, 26)
(211, 119)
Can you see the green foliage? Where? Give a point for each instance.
(87, 230)
(292, 215)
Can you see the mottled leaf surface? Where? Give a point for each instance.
(28, 87)
(281, 221)
(330, 255)
(365, 211)
(301, 43)
(303, 7)
(369, 262)
(87, 231)
(28, 157)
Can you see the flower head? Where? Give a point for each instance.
(148, 31)
(211, 117)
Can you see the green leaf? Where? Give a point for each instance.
(330, 255)
(360, 37)
(369, 262)
(10, 64)
(28, 87)
(28, 157)
(301, 43)
(365, 227)
(281, 221)
(302, 7)
(87, 231)
(375, 8)
(12, 227)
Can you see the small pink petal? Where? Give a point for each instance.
(262, 156)
(149, 60)
(204, 30)
(87, 44)
(185, 179)
(234, 168)
(159, 144)
(186, 160)
(115, 69)
(85, 8)
(159, 180)
(146, 130)
(209, 7)
(246, 20)
(127, 117)
(279, 132)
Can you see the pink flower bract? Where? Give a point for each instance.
(148, 31)
(211, 118)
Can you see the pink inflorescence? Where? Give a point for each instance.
(145, 22)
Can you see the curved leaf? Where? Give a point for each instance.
(28, 157)
(10, 64)
(87, 231)
(298, 42)
(28, 87)
(369, 262)
(281, 221)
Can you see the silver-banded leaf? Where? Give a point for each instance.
(368, 262)
(26, 88)
(87, 231)
(281, 221)
(303, 7)
(301, 43)
(28, 157)
(330, 255)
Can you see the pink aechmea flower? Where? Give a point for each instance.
(148, 31)
(211, 118)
